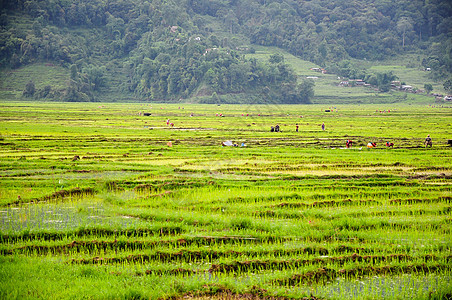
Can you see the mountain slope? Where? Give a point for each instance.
(171, 50)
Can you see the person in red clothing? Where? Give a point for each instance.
(349, 143)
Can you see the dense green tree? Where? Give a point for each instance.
(165, 48)
(44, 92)
(347, 69)
(95, 76)
(30, 89)
(428, 88)
(305, 91)
(276, 58)
(448, 85)
(404, 26)
(74, 72)
(384, 80)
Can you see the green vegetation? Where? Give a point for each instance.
(171, 51)
(13, 82)
(96, 203)
(327, 87)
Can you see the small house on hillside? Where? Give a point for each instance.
(358, 82)
(395, 83)
(406, 88)
(320, 70)
(354, 82)
(209, 49)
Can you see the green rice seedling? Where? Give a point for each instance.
(178, 211)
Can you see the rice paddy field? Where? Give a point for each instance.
(108, 201)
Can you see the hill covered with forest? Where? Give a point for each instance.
(168, 50)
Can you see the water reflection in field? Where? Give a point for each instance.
(407, 286)
(60, 216)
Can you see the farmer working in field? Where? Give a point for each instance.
(349, 143)
(428, 141)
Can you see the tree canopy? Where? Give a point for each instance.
(167, 50)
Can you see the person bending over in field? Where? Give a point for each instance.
(388, 144)
(371, 145)
(349, 143)
(428, 141)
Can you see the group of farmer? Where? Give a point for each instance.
(427, 143)
(349, 143)
(168, 123)
(276, 128)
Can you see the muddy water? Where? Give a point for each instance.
(57, 216)
(405, 286)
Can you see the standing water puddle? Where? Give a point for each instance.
(405, 286)
(59, 216)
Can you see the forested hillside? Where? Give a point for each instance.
(170, 50)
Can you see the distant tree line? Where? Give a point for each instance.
(170, 49)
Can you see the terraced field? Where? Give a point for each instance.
(97, 203)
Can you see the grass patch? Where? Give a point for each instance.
(94, 195)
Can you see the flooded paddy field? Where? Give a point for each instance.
(101, 201)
